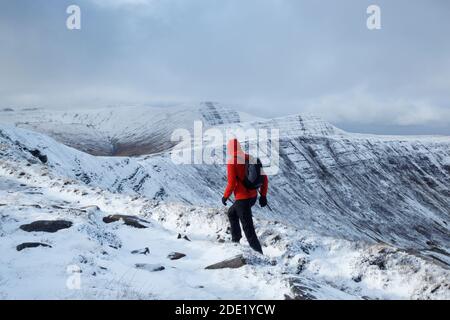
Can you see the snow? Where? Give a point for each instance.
(311, 249)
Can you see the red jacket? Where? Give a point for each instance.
(236, 174)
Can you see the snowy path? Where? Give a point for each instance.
(109, 272)
(103, 253)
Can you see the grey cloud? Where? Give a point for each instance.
(274, 57)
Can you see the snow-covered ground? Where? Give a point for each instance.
(299, 262)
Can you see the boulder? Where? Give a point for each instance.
(144, 251)
(183, 237)
(131, 221)
(25, 245)
(301, 291)
(51, 226)
(233, 263)
(37, 153)
(176, 255)
(149, 267)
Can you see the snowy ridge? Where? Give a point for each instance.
(293, 126)
(298, 263)
(394, 192)
(117, 131)
(353, 217)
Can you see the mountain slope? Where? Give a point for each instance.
(119, 131)
(392, 190)
(298, 263)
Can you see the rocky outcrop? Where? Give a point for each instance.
(144, 251)
(233, 263)
(37, 153)
(50, 226)
(26, 245)
(185, 237)
(300, 291)
(149, 267)
(176, 255)
(131, 221)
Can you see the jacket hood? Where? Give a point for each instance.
(234, 148)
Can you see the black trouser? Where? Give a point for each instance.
(242, 210)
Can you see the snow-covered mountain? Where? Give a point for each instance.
(352, 216)
(120, 131)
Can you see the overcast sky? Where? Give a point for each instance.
(270, 57)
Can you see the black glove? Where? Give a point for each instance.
(262, 201)
(224, 201)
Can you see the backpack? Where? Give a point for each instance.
(253, 178)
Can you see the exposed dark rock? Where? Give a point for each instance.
(183, 237)
(273, 239)
(176, 255)
(302, 262)
(233, 263)
(300, 291)
(149, 267)
(131, 221)
(46, 226)
(37, 153)
(25, 245)
(144, 251)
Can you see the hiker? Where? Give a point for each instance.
(245, 177)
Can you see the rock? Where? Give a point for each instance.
(301, 291)
(176, 255)
(25, 245)
(301, 264)
(36, 153)
(144, 251)
(274, 239)
(233, 263)
(183, 237)
(46, 226)
(92, 208)
(149, 267)
(131, 221)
